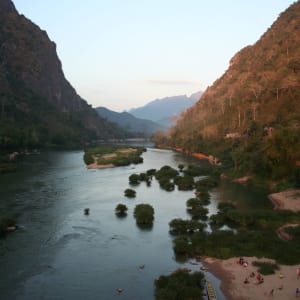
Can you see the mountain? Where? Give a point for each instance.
(128, 122)
(38, 106)
(253, 108)
(165, 110)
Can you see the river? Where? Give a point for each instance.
(60, 253)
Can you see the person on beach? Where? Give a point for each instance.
(298, 273)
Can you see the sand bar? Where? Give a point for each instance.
(289, 199)
(283, 283)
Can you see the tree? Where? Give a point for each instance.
(144, 214)
(130, 193)
(121, 209)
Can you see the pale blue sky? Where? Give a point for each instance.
(124, 53)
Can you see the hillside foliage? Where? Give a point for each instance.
(250, 117)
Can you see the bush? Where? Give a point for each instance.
(88, 158)
(130, 193)
(184, 183)
(134, 179)
(179, 285)
(166, 172)
(265, 268)
(144, 214)
(121, 209)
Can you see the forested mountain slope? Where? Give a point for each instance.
(253, 110)
(38, 106)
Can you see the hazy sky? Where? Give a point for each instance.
(124, 53)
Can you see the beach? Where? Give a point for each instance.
(96, 166)
(289, 199)
(281, 286)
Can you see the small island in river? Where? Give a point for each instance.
(112, 156)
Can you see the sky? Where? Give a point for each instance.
(123, 54)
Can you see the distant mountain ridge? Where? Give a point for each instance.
(165, 109)
(128, 122)
(38, 106)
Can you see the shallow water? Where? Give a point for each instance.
(60, 253)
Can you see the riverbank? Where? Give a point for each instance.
(281, 286)
(289, 199)
(96, 166)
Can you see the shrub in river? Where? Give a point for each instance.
(151, 172)
(134, 179)
(195, 209)
(180, 167)
(184, 183)
(181, 227)
(266, 268)
(179, 285)
(144, 214)
(166, 184)
(166, 172)
(181, 245)
(130, 193)
(204, 197)
(121, 210)
(88, 158)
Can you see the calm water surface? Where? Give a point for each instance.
(59, 253)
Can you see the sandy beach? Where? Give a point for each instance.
(289, 199)
(96, 166)
(281, 286)
(283, 283)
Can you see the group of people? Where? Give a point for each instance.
(259, 278)
(243, 262)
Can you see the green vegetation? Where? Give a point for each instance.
(196, 209)
(251, 229)
(144, 214)
(266, 268)
(179, 285)
(121, 210)
(134, 179)
(115, 155)
(249, 118)
(181, 227)
(130, 193)
(184, 183)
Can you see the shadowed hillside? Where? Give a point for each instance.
(38, 106)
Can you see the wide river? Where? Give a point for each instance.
(60, 253)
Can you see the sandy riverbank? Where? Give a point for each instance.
(283, 283)
(96, 166)
(281, 286)
(289, 199)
